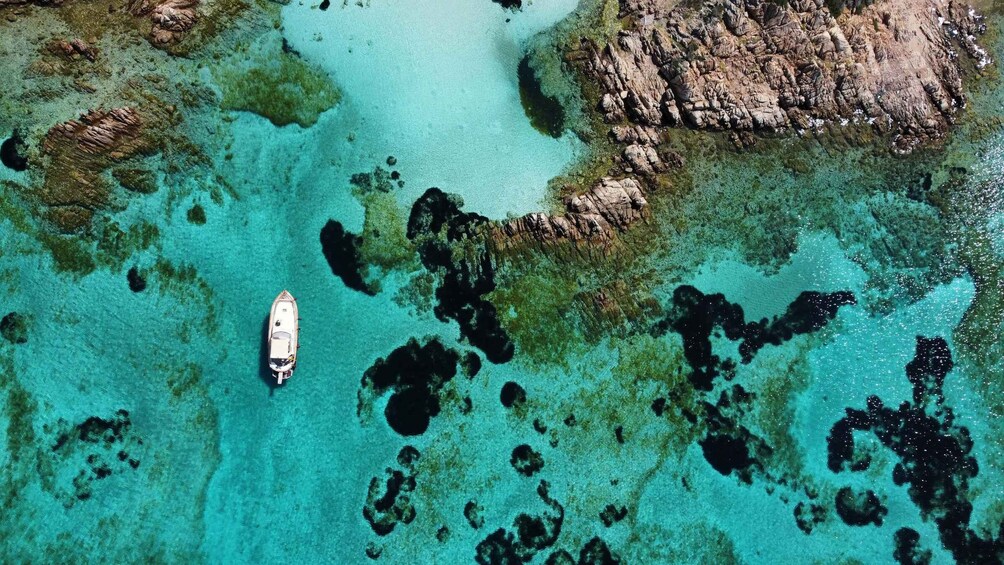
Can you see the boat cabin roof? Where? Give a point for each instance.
(280, 347)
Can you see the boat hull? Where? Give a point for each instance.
(283, 336)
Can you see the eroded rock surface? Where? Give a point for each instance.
(763, 65)
(80, 150)
(171, 18)
(609, 207)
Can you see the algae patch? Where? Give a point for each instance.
(545, 112)
(279, 87)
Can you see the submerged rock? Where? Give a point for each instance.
(14, 328)
(526, 461)
(859, 508)
(80, 151)
(341, 250)
(414, 374)
(12, 152)
(137, 282)
(171, 19)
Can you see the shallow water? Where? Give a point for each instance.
(231, 469)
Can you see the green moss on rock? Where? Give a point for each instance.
(280, 87)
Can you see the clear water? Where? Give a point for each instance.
(233, 470)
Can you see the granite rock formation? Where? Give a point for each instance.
(764, 65)
(609, 207)
(79, 151)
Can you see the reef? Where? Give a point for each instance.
(694, 315)
(80, 151)
(414, 374)
(388, 500)
(934, 454)
(100, 446)
(341, 249)
(441, 230)
(14, 328)
(526, 460)
(533, 534)
(278, 86)
(766, 66)
(859, 508)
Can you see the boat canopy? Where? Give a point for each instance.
(280, 348)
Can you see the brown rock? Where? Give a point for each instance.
(171, 18)
(758, 65)
(79, 152)
(597, 215)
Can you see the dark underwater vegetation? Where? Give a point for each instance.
(580, 282)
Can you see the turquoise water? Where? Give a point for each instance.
(230, 469)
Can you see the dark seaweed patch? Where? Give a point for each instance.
(512, 5)
(545, 112)
(415, 374)
(729, 446)
(512, 395)
(474, 514)
(388, 500)
(137, 282)
(101, 446)
(14, 328)
(612, 514)
(525, 460)
(694, 315)
(12, 152)
(341, 249)
(859, 508)
(934, 454)
(436, 221)
(534, 533)
(472, 364)
(726, 453)
(196, 215)
(596, 552)
(808, 516)
(908, 550)
(560, 557)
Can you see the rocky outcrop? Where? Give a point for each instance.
(597, 215)
(171, 18)
(74, 49)
(79, 151)
(114, 132)
(764, 65)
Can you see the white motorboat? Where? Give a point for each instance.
(283, 327)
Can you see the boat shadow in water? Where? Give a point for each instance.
(264, 371)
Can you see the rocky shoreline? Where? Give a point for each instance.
(755, 65)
